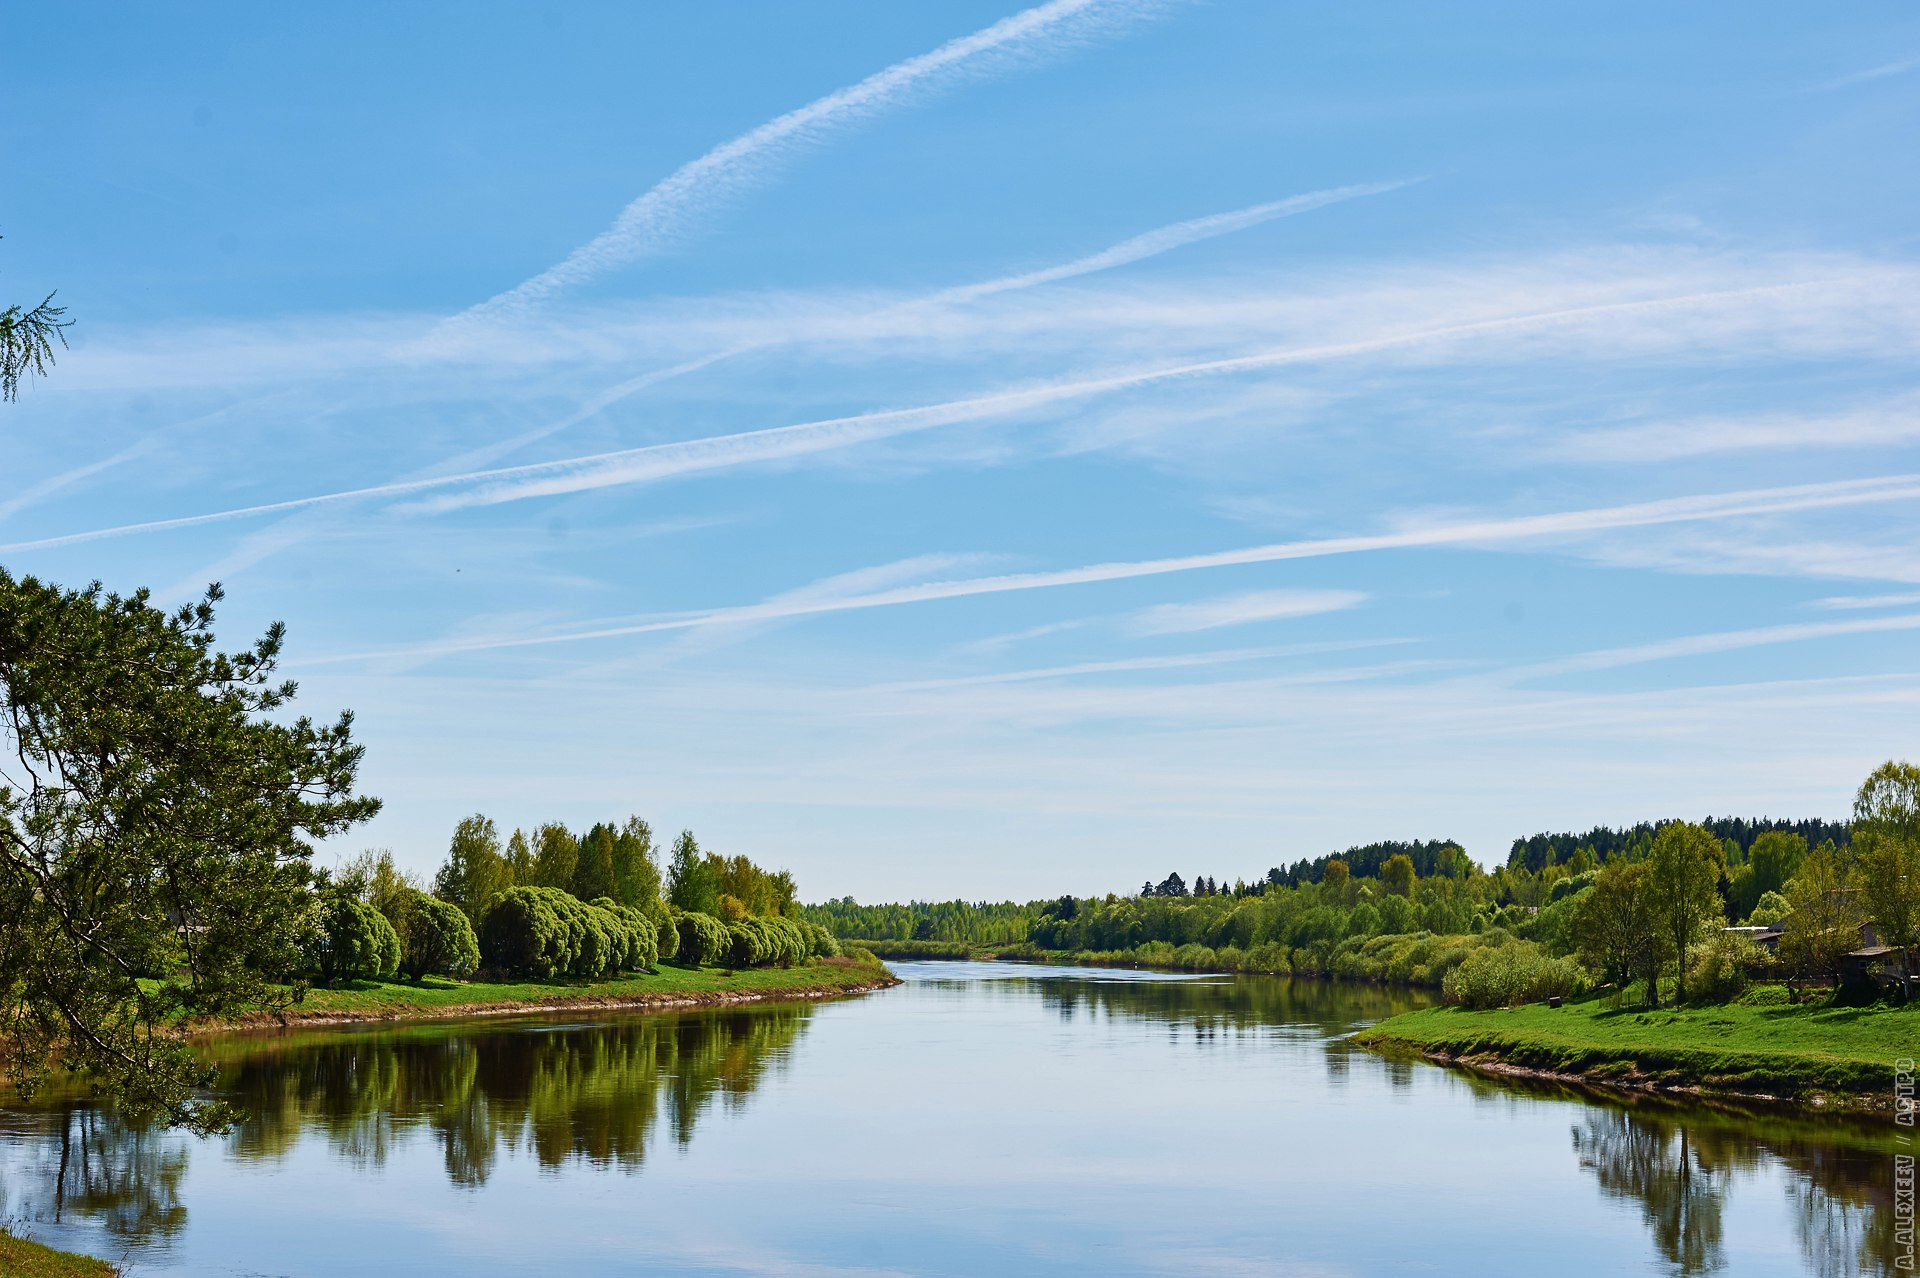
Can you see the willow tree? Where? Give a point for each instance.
(156, 809)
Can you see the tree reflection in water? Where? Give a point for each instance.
(1678, 1165)
(81, 1163)
(596, 1093)
(605, 1094)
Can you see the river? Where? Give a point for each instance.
(979, 1119)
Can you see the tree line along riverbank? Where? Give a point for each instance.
(1723, 955)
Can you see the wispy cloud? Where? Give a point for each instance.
(1850, 603)
(662, 215)
(1138, 248)
(1890, 421)
(34, 494)
(1482, 532)
(1165, 239)
(1880, 72)
(1184, 661)
(1707, 644)
(1242, 609)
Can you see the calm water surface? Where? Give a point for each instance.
(980, 1119)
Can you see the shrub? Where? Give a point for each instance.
(523, 934)
(747, 943)
(434, 937)
(666, 934)
(352, 939)
(703, 940)
(1720, 968)
(1505, 975)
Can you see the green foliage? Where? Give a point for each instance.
(1773, 907)
(435, 937)
(1886, 837)
(1720, 967)
(636, 875)
(1685, 867)
(593, 865)
(155, 807)
(1552, 928)
(352, 939)
(979, 923)
(1615, 928)
(1774, 859)
(476, 870)
(666, 933)
(556, 857)
(692, 883)
(546, 934)
(1633, 843)
(1507, 975)
(704, 940)
(26, 342)
(1824, 916)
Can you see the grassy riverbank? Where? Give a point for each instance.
(1834, 1057)
(669, 987)
(22, 1259)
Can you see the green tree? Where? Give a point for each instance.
(352, 939)
(1396, 876)
(556, 857)
(1773, 859)
(1615, 930)
(1684, 867)
(476, 870)
(1886, 842)
(1825, 920)
(593, 871)
(435, 937)
(1336, 883)
(636, 875)
(520, 860)
(374, 878)
(692, 883)
(156, 807)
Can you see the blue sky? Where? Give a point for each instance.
(964, 450)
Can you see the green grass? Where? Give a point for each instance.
(22, 1259)
(1842, 1055)
(371, 1000)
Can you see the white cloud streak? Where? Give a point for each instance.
(1708, 644)
(1482, 532)
(1891, 421)
(1851, 603)
(1242, 609)
(1138, 248)
(1873, 73)
(1164, 240)
(53, 484)
(662, 215)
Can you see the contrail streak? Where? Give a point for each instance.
(658, 461)
(658, 216)
(1756, 501)
(1136, 248)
